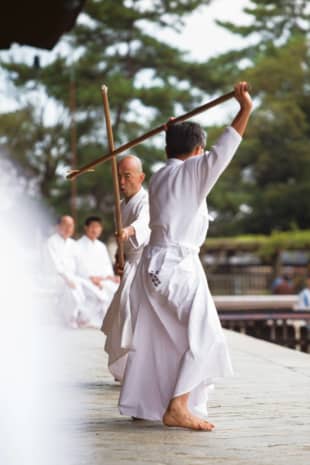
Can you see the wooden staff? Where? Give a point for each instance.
(74, 173)
(118, 217)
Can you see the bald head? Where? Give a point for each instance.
(132, 162)
(65, 226)
(130, 175)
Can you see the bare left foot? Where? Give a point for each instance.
(180, 416)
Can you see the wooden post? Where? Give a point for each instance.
(118, 217)
(73, 138)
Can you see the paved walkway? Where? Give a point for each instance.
(262, 415)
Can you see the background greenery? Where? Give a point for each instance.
(265, 189)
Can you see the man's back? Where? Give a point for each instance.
(178, 211)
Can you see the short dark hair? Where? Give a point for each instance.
(182, 138)
(92, 219)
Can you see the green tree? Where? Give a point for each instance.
(269, 178)
(38, 150)
(148, 80)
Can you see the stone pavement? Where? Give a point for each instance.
(262, 415)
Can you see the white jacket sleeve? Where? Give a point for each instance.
(203, 171)
(141, 226)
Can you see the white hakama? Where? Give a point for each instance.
(178, 344)
(117, 323)
(94, 260)
(62, 262)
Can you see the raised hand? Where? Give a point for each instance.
(243, 96)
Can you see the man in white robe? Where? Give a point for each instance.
(135, 234)
(95, 268)
(62, 261)
(304, 296)
(178, 345)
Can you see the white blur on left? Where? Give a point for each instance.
(37, 398)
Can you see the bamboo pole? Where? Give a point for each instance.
(117, 208)
(74, 173)
(73, 142)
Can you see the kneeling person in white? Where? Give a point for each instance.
(135, 234)
(178, 345)
(62, 256)
(95, 268)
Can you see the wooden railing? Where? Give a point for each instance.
(272, 318)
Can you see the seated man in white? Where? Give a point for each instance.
(95, 268)
(62, 256)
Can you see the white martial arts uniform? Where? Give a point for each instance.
(94, 260)
(62, 262)
(178, 344)
(117, 323)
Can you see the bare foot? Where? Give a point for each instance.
(181, 417)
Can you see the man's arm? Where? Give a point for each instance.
(242, 95)
(107, 272)
(203, 171)
(126, 233)
(138, 231)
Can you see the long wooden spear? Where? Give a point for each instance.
(74, 173)
(118, 217)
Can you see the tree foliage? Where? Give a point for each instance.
(265, 246)
(267, 186)
(148, 79)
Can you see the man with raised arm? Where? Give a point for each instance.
(178, 346)
(135, 235)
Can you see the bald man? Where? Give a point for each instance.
(135, 235)
(63, 260)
